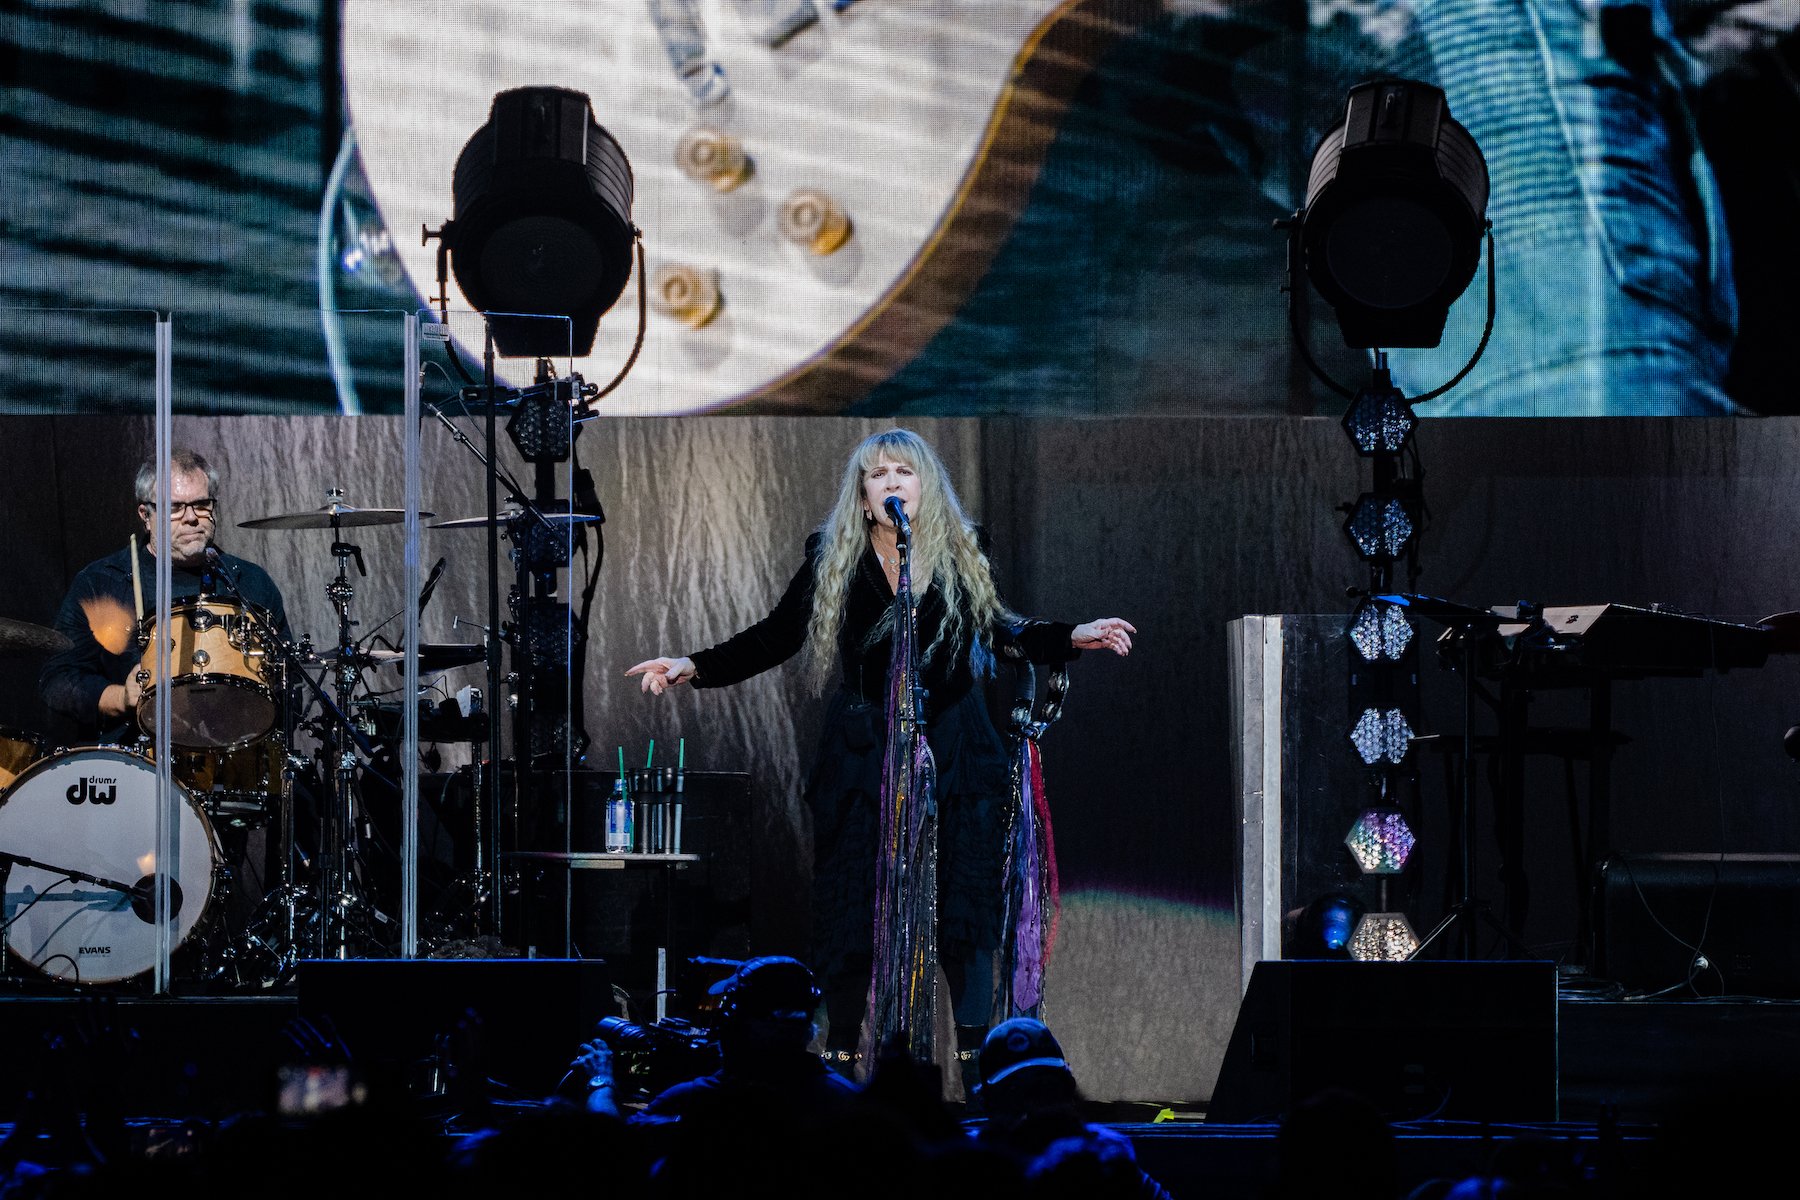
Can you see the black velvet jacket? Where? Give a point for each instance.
(780, 635)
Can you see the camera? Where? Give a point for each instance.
(660, 1053)
(669, 1035)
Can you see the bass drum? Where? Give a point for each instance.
(93, 811)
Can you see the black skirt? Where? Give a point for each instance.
(843, 795)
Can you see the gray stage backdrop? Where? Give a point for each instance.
(1179, 525)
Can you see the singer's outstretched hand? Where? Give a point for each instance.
(661, 674)
(1104, 633)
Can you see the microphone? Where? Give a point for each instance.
(143, 898)
(214, 562)
(896, 512)
(437, 573)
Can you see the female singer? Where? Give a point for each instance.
(840, 608)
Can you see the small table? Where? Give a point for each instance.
(597, 860)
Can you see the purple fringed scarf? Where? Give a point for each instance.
(1032, 895)
(903, 981)
(1033, 902)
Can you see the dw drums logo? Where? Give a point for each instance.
(94, 790)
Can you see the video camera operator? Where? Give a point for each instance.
(765, 1024)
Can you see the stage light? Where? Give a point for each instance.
(1381, 733)
(1381, 841)
(1379, 526)
(542, 221)
(1379, 631)
(1322, 929)
(1383, 937)
(1396, 204)
(1379, 420)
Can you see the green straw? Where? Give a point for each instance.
(621, 762)
(650, 755)
(681, 755)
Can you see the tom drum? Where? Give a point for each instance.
(219, 693)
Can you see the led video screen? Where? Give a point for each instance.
(900, 207)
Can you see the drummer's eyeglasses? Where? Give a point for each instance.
(200, 508)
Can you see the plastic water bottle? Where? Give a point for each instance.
(618, 819)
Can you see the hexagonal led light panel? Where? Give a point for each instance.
(1379, 419)
(1380, 841)
(1379, 631)
(1381, 733)
(1380, 526)
(1383, 937)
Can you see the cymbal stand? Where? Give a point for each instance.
(285, 905)
(338, 903)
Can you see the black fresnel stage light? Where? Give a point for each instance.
(541, 223)
(1396, 204)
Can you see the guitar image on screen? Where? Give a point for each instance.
(820, 183)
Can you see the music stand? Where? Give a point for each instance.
(1473, 624)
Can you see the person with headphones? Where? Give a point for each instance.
(765, 1024)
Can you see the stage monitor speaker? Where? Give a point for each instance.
(1741, 911)
(1458, 1041)
(533, 1013)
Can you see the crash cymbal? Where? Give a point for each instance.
(22, 637)
(511, 515)
(332, 516)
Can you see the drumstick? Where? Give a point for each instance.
(137, 585)
(108, 621)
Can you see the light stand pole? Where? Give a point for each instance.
(1390, 237)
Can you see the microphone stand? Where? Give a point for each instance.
(917, 957)
(137, 892)
(912, 715)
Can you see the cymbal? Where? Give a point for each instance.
(433, 656)
(332, 516)
(508, 517)
(22, 637)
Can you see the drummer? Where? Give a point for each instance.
(93, 685)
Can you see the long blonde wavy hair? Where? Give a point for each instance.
(945, 554)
